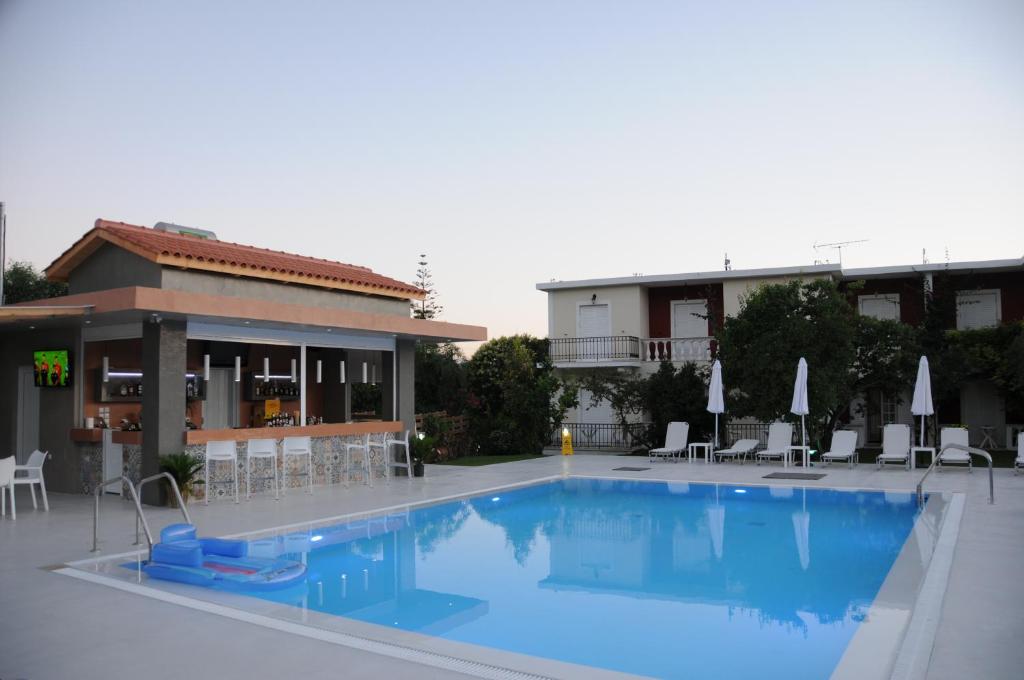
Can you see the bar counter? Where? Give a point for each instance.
(94, 435)
(324, 430)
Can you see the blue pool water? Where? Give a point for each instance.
(658, 579)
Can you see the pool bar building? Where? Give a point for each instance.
(170, 338)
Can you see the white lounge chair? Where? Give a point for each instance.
(738, 451)
(895, 445)
(7, 484)
(780, 438)
(675, 442)
(1019, 462)
(954, 435)
(31, 473)
(844, 447)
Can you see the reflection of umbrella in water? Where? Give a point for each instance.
(802, 532)
(716, 525)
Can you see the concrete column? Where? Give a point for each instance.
(388, 385)
(406, 368)
(163, 399)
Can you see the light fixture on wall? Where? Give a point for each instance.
(206, 367)
(319, 371)
(106, 369)
(266, 369)
(593, 298)
(342, 380)
(364, 372)
(238, 369)
(294, 371)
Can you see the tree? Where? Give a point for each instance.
(22, 283)
(847, 354)
(440, 378)
(428, 307)
(515, 401)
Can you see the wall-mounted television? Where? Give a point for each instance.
(52, 368)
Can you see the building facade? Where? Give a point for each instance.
(631, 324)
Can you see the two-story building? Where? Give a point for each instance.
(633, 323)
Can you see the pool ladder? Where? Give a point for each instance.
(140, 517)
(959, 447)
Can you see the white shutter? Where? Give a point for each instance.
(689, 319)
(594, 321)
(880, 306)
(977, 309)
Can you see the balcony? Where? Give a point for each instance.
(612, 349)
(700, 349)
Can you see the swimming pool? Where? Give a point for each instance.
(665, 579)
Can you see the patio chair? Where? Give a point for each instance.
(675, 442)
(7, 484)
(780, 438)
(844, 447)
(1019, 462)
(953, 435)
(32, 474)
(895, 445)
(738, 451)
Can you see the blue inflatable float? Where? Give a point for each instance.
(217, 563)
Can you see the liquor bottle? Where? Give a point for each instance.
(124, 390)
(258, 391)
(138, 390)
(131, 389)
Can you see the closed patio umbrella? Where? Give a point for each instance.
(922, 403)
(716, 399)
(799, 405)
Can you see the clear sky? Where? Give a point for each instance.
(516, 142)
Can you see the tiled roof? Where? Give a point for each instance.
(194, 252)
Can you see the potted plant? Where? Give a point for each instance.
(185, 468)
(423, 450)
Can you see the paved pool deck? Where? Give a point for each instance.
(52, 626)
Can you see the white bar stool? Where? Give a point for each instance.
(297, 446)
(222, 451)
(364, 464)
(391, 443)
(260, 449)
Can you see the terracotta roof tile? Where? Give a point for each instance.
(195, 251)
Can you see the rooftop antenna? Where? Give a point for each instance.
(924, 256)
(839, 247)
(728, 262)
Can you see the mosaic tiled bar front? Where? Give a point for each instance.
(328, 465)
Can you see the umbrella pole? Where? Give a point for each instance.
(716, 430)
(922, 431)
(803, 438)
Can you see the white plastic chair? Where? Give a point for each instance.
(260, 449)
(363, 449)
(675, 442)
(7, 484)
(954, 435)
(844, 447)
(738, 451)
(780, 438)
(224, 451)
(297, 446)
(1019, 462)
(895, 445)
(32, 474)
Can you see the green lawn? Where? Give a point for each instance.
(490, 460)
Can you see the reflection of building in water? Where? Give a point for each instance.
(366, 570)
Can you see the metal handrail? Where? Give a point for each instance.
(177, 494)
(138, 511)
(969, 450)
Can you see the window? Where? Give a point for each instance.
(885, 306)
(977, 309)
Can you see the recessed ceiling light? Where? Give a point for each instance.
(246, 323)
(31, 328)
(87, 321)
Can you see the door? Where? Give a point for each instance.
(594, 326)
(27, 434)
(690, 331)
(220, 410)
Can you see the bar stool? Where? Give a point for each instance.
(221, 451)
(402, 444)
(257, 449)
(364, 463)
(297, 446)
(373, 445)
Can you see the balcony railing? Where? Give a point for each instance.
(607, 348)
(676, 349)
(613, 436)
